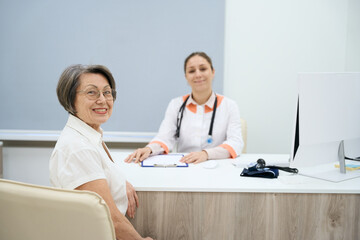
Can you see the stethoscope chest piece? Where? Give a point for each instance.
(209, 139)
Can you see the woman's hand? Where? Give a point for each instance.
(195, 157)
(139, 155)
(133, 200)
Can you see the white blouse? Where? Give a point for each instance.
(79, 157)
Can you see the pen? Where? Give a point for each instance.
(164, 165)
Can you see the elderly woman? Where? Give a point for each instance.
(81, 159)
(204, 124)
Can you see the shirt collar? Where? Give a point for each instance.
(84, 129)
(209, 102)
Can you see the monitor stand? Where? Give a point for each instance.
(328, 171)
(341, 155)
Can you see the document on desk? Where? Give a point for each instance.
(164, 160)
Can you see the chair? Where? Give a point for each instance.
(39, 213)
(244, 133)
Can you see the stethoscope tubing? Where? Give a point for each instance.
(181, 114)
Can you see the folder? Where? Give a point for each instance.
(164, 160)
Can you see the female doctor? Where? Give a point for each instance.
(204, 124)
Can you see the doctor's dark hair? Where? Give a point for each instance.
(70, 80)
(201, 54)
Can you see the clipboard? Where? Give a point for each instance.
(164, 161)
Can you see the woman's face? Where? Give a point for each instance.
(199, 74)
(96, 111)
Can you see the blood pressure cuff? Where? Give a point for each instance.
(263, 172)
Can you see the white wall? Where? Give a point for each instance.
(267, 43)
(27, 164)
(353, 37)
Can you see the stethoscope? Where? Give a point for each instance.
(180, 116)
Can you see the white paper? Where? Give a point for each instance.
(166, 160)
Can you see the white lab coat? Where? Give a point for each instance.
(195, 127)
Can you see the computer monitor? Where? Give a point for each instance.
(328, 114)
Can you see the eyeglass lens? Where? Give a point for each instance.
(93, 93)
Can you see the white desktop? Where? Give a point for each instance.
(328, 114)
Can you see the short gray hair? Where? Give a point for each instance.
(69, 82)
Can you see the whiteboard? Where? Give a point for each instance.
(143, 43)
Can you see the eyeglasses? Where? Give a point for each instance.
(94, 93)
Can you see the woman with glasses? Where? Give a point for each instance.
(81, 159)
(204, 124)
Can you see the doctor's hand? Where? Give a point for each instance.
(195, 157)
(139, 155)
(133, 200)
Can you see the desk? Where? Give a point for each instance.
(198, 203)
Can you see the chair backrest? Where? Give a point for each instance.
(244, 133)
(36, 212)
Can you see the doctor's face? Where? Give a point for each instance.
(91, 107)
(199, 74)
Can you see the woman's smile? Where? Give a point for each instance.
(100, 110)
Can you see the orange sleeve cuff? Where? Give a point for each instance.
(163, 145)
(230, 150)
